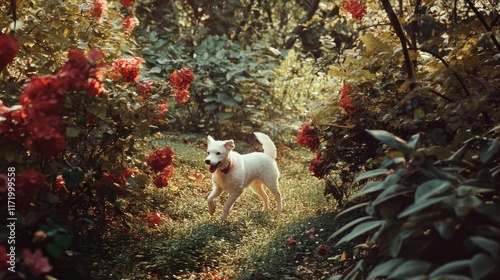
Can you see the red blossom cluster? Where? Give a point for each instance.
(155, 218)
(181, 80)
(128, 68)
(346, 101)
(28, 184)
(145, 89)
(127, 3)
(8, 50)
(128, 25)
(160, 161)
(39, 119)
(112, 183)
(317, 166)
(356, 9)
(308, 136)
(98, 8)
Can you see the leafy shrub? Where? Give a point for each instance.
(73, 132)
(427, 217)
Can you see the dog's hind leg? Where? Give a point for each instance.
(257, 188)
(275, 190)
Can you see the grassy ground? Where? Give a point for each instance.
(191, 244)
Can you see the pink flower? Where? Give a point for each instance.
(36, 262)
(317, 166)
(98, 7)
(128, 25)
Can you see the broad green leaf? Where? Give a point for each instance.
(450, 268)
(369, 188)
(54, 250)
(431, 188)
(359, 205)
(77, 175)
(489, 245)
(371, 174)
(415, 141)
(360, 229)
(350, 224)
(417, 206)
(397, 242)
(481, 265)
(471, 190)
(463, 205)
(489, 150)
(388, 192)
(384, 268)
(446, 227)
(410, 268)
(391, 140)
(63, 240)
(73, 131)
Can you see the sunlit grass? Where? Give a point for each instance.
(250, 245)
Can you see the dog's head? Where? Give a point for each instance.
(218, 153)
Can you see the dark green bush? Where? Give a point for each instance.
(429, 218)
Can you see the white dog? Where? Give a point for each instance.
(232, 172)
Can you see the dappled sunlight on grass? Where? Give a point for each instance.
(188, 242)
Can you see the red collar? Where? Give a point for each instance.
(227, 169)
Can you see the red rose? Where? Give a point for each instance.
(8, 50)
(308, 136)
(159, 159)
(128, 68)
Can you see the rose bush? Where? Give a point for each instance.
(76, 129)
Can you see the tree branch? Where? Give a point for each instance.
(485, 24)
(297, 31)
(393, 18)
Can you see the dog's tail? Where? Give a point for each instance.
(267, 144)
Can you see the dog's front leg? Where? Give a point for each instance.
(233, 196)
(216, 191)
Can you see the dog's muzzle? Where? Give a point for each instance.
(212, 167)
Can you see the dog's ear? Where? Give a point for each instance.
(229, 144)
(210, 139)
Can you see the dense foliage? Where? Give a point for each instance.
(429, 218)
(84, 85)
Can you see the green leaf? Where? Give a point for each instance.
(431, 188)
(417, 206)
(370, 174)
(73, 131)
(489, 150)
(481, 265)
(446, 228)
(463, 205)
(491, 246)
(360, 229)
(384, 268)
(410, 268)
(77, 175)
(415, 141)
(369, 188)
(54, 250)
(350, 224)
(397, 242)
(63, 240)
(356, 206)
(449, 268)
(471, 190)
(391, 140)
